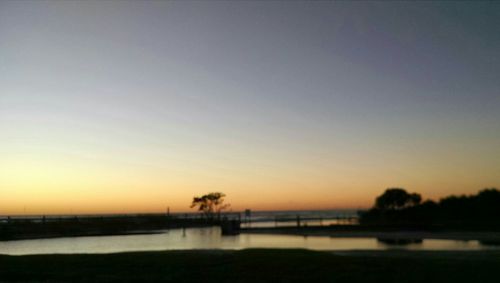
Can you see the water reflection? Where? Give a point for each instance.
(399, 242)
(210, 238)
(291, 223)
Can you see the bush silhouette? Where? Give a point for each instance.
(397, 198)
(397, 207)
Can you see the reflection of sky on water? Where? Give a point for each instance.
(210, 238)
(290, 223)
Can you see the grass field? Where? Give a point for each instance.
(256, 265)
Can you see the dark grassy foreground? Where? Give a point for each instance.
(256, 265)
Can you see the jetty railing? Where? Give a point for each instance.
(26, 227)
(300, 221)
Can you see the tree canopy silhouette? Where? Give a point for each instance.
(397, 207)
(210, 204)
(397, 198)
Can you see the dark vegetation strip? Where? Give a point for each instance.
(395, 206)
(255, 265)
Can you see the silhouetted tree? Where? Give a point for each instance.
(397, 207)
(210, 204)
(397, 198)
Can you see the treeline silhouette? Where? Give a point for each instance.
(398, 207)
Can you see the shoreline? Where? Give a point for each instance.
(97, 234)
(493, 236)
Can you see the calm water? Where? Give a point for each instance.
(292, 223)
(210, 238)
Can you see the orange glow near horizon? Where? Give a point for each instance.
(59, 186)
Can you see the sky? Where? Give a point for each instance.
(135, 106)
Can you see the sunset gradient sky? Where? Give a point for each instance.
(133, 106)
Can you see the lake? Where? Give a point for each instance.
(210, 238)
